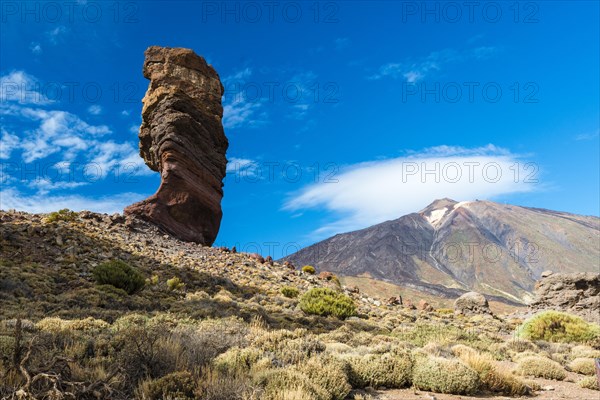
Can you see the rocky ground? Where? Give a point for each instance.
(46, 269)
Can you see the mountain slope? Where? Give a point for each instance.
(450, 247)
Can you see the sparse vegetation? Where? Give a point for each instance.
(325, 301)
(119, 274)
(555, 326)
(227, 328)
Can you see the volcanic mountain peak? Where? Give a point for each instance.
(451, 247)
(438, 212)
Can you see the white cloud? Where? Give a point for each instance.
(8, 143)
(55, 35)
(95, 109)
(20, 87)
(243, 167)
(241, 112)
(238, 110)
(587, 136)
(125, 113)
(364, 194)
(416, 69)
(35, 48)
(43, 203)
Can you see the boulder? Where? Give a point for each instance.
(472, 303)
(182, 137)
(576, 293)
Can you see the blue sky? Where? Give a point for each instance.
(339, 115)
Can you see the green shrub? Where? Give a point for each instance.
(309, 269)
(62, 215)
(540, 367)
(555, 326)
(175, 284)
(177, 385)
(325, 301)
(120, 275)
(441, 375)
(589, 382)
(289, 291)
(584, 366)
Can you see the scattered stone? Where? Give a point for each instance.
(257, 257)
(394, 301)
(472, 303)
(269, 260)
(425, 306)
(326, 275)
(182, 137)
(546, 274)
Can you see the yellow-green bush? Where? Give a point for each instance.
(376, 370)
(555, 326)
(444, 376)
(120, 275)
(584, 366)
(589, 382)
(175, 284)
(62, 215)
(290, 292)
(325, 301)
(540, 367)
(309, 269)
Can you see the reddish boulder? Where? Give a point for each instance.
(326, 276)
(182, 137)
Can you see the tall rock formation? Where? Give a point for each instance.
(182, 137)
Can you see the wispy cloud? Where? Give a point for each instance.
(55, 35)
(587, 136)
(35, 48)
(371, 192)
(95, 109)
(416, 69)
(51, 135)
(238, 110)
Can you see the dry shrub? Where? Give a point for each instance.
(540, 367)
(492, 376)
(584, 366)
(377, 370)
(589, 382)
(444, 376)
(329, 373)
